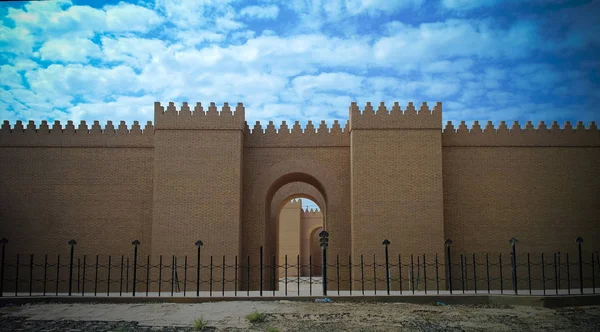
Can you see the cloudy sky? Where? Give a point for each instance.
(300, 59)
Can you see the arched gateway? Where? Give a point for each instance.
(387, 174)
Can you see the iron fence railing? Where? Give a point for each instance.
(448, 273)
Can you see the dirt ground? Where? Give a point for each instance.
(296, 316)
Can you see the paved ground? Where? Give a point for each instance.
(295, 316)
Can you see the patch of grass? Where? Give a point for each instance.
(122, 329)
(272, 329)
(200, 324)
(256, 317)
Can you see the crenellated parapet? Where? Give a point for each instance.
(396, 118)
(198, 118)
(81, 136)
(517, 135)
(311, 213)
(296, 136)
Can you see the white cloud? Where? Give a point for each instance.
(128, 17)
(69, 50)
(10, 76)
(134, 51)
(260, 12)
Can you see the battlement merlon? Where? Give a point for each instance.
(185, 118)
(396, 118)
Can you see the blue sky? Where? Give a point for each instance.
(300, 59)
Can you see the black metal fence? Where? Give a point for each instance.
(447, 273)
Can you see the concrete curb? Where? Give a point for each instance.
(549, 301)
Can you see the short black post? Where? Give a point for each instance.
(147, 274)
(160, 265)
(310, 275)
(210, 280)
(286, 274)
(513, 242)
(83, 281)
(199, 245)
(3, 241)
(235, 285)
(248, 273)
(529, 272)
(543, 275)
(437, 275)
(337, 264)
(424, 274)
(78, 273)
(556, 280)
(135, 244)
(223, 277)
(108, 273)
(46, 271)
(386, 243)
(487, 271)
(449, 266)
(273, 274)
(57, 273)
(185, 266)
(261, 272)
(362, 274)
(400, 272)
(374, 274)
(568, 274)
(72, 243)
(462, 273)
(501, 280)
(127, 276)
(474, 274)
(579, 241)
(324, 242)
(412, 273)
(96, 278)
(298, 276)
(350, 272)
(17, 276)
(593, 275)
(30, 274)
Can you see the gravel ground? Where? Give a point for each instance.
(296, 316)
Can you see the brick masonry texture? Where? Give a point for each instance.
(202, 173)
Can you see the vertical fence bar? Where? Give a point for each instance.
(121, 277)
(556, 282)
(386, 243)
(350, 272)
(298, 277)
(501, 281)
(513, 241)
(324, 242)
(127, 276)
(72, 243)
(579, 241)
(96, 278)
(261, 271)
(235, 285)
(78, 274)
(248, 268)
(108, 282)
(400, 272)
(374, 274)
(286, 274)
(337, 263)
(543, 275)
(466, 265)
(199, 245)
(17, 277)
(593, 275)
(362, 274)
(412, 274)
(185, 266)
(172, 274)
(160, 264)
(273, 276)
(211, 276)
(529, 272)
(147, 274)
(424, 274)
(559, 265)
(448, 243)
(568, 275)
(57, 273)
(310, 275)
(223, 278)
(46, 272)
(3, 241)
(135, 243)
(487, 272)
(462, 273)
(30, 274)
(83, 272)
(474, 274)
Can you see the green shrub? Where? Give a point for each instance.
(256, 317)
(200, 324)
(272, 329)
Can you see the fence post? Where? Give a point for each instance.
(448, 244)
(72, 243)
(261, 271)
(135, 243)
(579, 241)
(199, 244)
(386, 243)
(3, 241)
(324, 241)
(513, 242)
